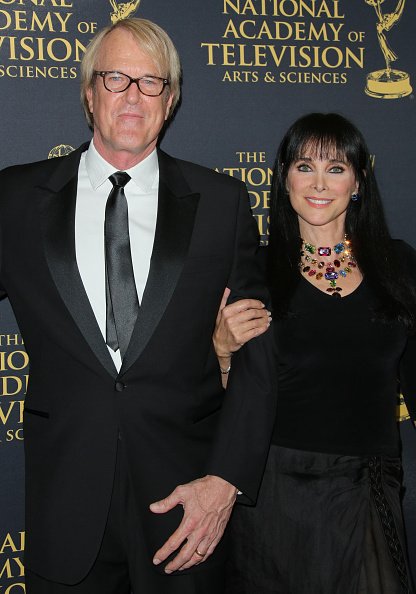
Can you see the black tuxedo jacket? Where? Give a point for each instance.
(167, 401)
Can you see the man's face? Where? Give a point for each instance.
(127, 124)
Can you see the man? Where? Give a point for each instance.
(139, 262)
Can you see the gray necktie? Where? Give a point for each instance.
(121, 294)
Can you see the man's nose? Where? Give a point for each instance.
(133, 95)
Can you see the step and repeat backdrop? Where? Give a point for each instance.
(250, 67)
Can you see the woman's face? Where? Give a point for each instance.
(320, 190)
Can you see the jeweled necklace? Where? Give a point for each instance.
(343, 264)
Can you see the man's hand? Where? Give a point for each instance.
(207, 504)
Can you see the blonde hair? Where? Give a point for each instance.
(153, 41)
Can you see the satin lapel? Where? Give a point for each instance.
(177, 208)
(57, 208)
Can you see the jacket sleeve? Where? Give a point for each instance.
(408, 376)
(407, 370)
(2, 290)
(247, 417)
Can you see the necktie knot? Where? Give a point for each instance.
(119, 179)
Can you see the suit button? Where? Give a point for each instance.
(119, 386)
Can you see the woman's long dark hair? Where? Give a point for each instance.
(332, 136)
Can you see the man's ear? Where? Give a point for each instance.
(168, 106)
(89, 95)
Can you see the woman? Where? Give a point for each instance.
(328, 518)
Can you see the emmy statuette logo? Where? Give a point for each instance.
(402, 413)
(387, 83)
(60, 151)
(122, 10)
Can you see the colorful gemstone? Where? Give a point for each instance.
(331, 275)
(324, 251)
(331, 271)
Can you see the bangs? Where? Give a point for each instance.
(324, 136)
(322, 148)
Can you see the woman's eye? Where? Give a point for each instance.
(336, 169)
(304, 167)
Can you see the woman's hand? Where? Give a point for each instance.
(236, 324)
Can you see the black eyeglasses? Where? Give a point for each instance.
(117, 82)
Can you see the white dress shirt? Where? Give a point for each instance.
(93, 190)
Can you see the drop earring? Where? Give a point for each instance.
(355, 196)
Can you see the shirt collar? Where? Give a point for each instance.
(145, 174)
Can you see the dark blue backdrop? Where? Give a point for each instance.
(250, 68)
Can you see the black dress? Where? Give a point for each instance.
(328, 518)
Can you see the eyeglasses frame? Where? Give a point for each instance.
(102, 73)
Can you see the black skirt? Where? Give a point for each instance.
(323, 524)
